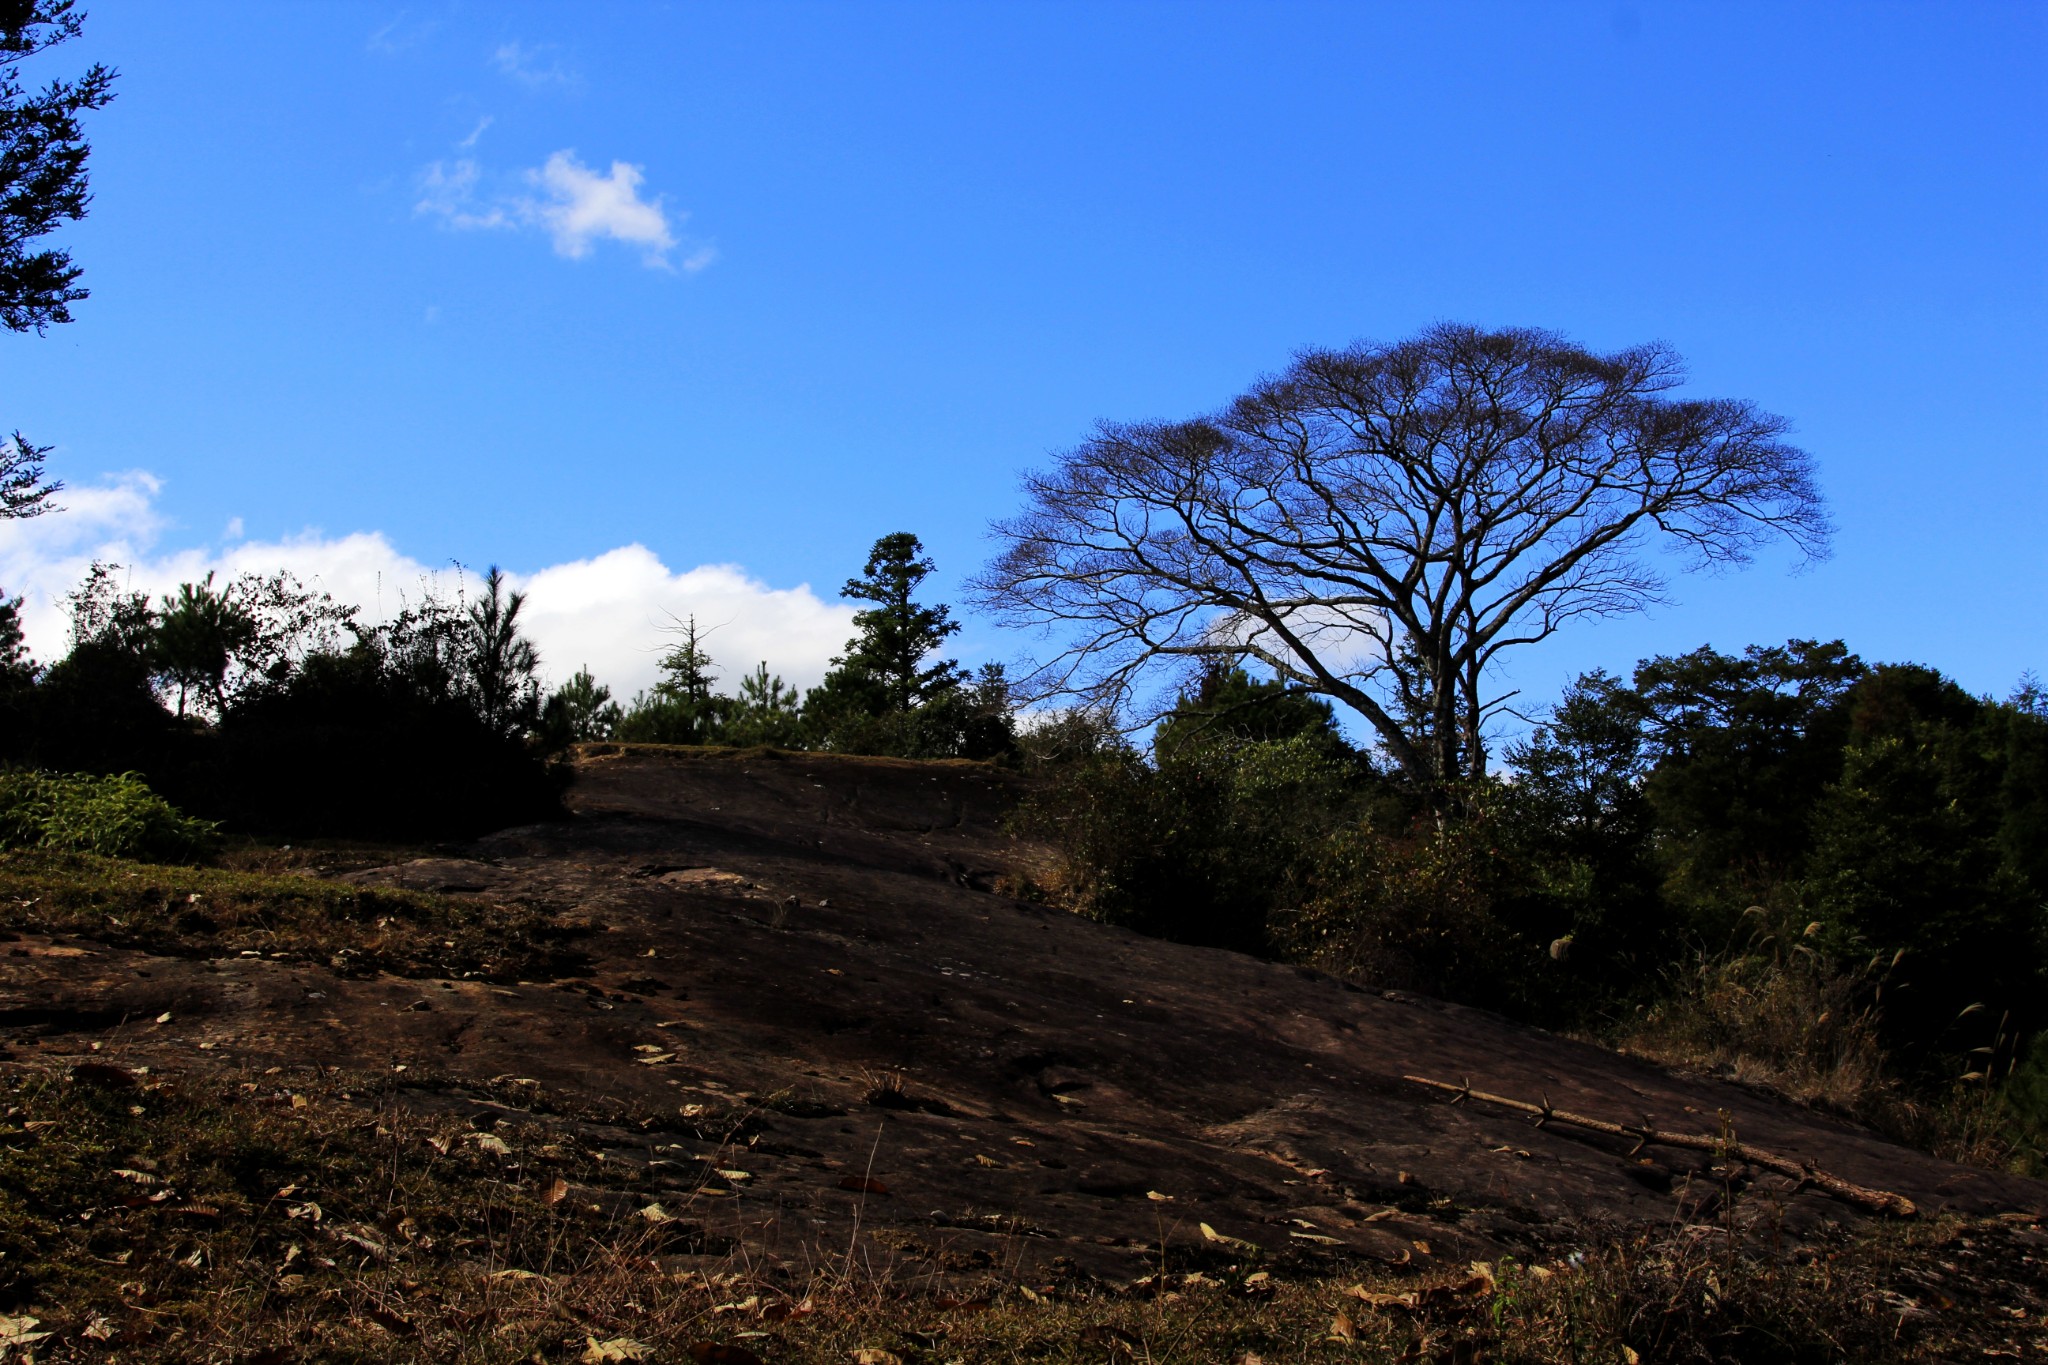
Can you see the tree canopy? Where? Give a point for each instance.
(1378, 524)
(43, 185)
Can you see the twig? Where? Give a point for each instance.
(1805, 1172)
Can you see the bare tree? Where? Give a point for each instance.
(1378, 524)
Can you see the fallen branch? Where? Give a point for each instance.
(1805, 1172)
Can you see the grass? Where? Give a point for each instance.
(212, 912)
(301, 1216)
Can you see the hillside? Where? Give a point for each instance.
(798, 973)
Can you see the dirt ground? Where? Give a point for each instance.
(945, 1078)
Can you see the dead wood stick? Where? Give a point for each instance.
(1877, 1201)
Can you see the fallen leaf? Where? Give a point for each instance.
(19, 1332)
(1158, 1198)
(164, 1018)
(101, 1328)
(512, 1275)
(656, 1059)
(647, 1047)
(861, 1184)
(492, 1143)
(746, 1305)
(1343, 1329)
(306, 1210)
(613, 1349)
(655, 1213)
(1318, 1238)
(1221, 1240)
(391, 1322)
(557, 1192)
(987, 1161)
(875, 1355)
(738, 1177)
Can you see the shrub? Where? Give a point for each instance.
(1203, 848)
(1416, 909)
(116, 817)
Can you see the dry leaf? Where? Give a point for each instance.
(19, 1332)
(655, 1213)
(989, 1161)
(1214, 1236)
(1343, 1329)
(875, 1355)
(613, 1349)
(861, 1184)
(738, 1177)
(306, 1210)
(1158, 1198)
(557, 1192)
(391, 1322)
(1318, 1238)
(492, 1143)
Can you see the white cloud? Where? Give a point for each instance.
(576, 205)
(534, 67)
(476, 132)
(608, 612)
(582, 205)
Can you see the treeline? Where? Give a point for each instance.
(273, 709)
(1787, 856)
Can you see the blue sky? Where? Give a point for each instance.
(751, 285)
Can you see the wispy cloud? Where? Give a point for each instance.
(475, 133)
(448, 190)
(535, 67)
(402, 35)
(608, 611)
(576, 205)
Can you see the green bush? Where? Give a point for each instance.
(116, 817)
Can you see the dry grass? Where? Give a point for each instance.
(210, 912)
(1790, 1021)
(300, 1217)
